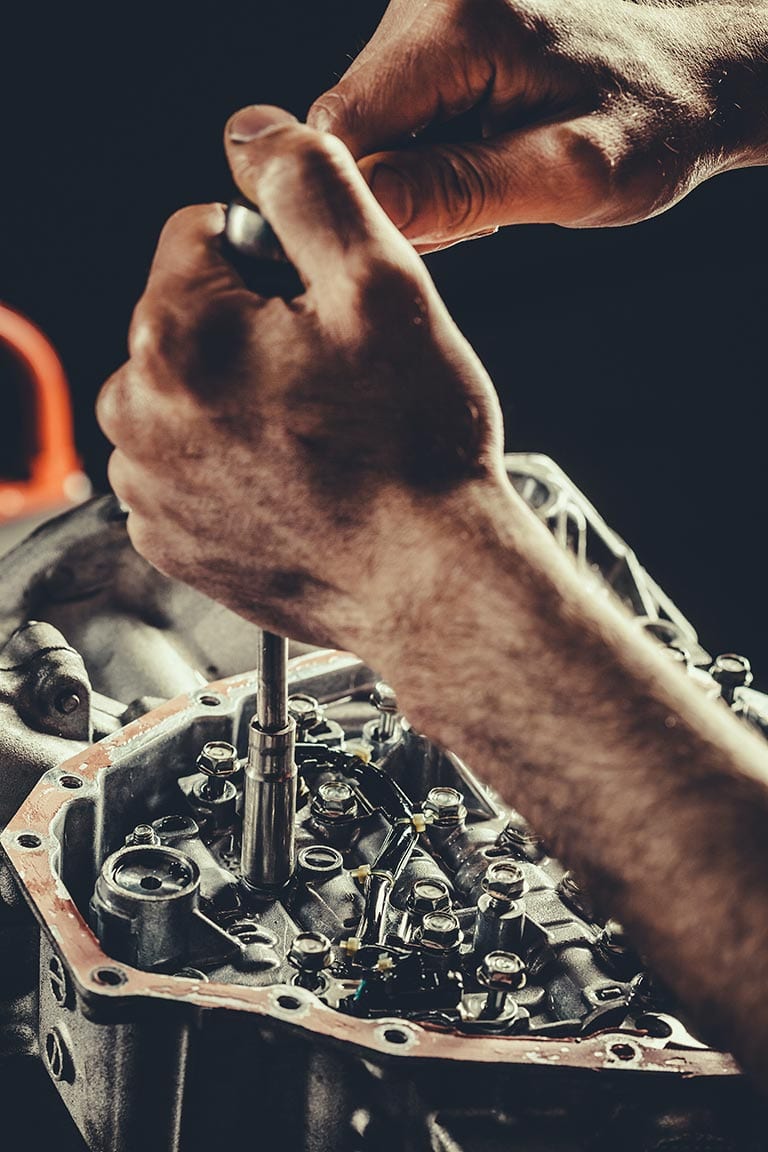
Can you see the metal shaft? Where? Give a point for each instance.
(268, 851)
(272, 699)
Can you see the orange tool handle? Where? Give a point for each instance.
(55, 472)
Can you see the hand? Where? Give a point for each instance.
(291, 459)
(599, 113)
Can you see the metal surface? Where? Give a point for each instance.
(272, 695)
(268, 855)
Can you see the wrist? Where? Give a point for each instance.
(736, 48)
(483, 573)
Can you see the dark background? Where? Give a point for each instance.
(635, 357)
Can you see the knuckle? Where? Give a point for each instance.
(332, 110)
(147, 330)
(384, 288)
(109, 406)
(591, 166)
(154, 346)
(184, 224)
(314, 160)
(611, 174)
(119, 476)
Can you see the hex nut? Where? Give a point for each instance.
(310, 952)
(305, 710)
(383, 698)
(439, 931)
(501, 971)
(427, 895)
(731, 671)
(446, 805)
(217, 758)
(504, 880)
(335, 800)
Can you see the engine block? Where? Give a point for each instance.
(426, 975)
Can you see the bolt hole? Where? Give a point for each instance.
(623, 1051)
(396, 1036)
(70, 782)
(150, 883)
(210, 701)
(251, 933)
(176, 824)
(28, 840)
(110, 977)
(653, 1025)
(55, 1055)
(57, 979)
(289, 1003)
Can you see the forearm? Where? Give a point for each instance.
(649, 790)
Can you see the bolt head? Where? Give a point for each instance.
(504, 880)
(310, 952)
(501, 971)
(304, 709)
(217, 758)
(614, 937)
(428, 895)
(335, 799)
(439, 931)
(446, 805)
(731, 671)
(383, 698)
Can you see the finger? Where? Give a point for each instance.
(189, 255)
(563, 173)
(310, 190)
(412, 73)
(124, 480)
(138, 417)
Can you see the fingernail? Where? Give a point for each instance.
(393, 193)
(251, 122)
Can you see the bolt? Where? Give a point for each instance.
(67, 703)
(569, 890)
(439, 932)
(143, 834)
(500, 973)
(310, 952)
(218, 761)
(429, 896)
(504, 881)
(305, 710)
(383, 698)
(335, 800)
(613, 940)
(731, 672)
(446, 804)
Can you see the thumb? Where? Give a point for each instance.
(413, 73)
(554, 174)
(309, 189)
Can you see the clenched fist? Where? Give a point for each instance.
(601, 112)
(294, 460)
